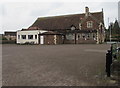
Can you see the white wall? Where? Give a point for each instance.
(30, 32)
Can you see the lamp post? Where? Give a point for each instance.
(110, 32)
(109, 27)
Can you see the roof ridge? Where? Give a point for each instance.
(67, 15)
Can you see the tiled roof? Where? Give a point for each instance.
(9, 33)
(65, 21)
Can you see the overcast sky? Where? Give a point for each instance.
(22, 14)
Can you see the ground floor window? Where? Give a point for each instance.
(30, 36)
(23, 36)
(83, 35)
(70, 36)
(88, 35)
(94, 37)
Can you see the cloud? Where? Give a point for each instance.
(43, 8)
(18, 15)
(110, 11)
(60, 0)
(73, 7)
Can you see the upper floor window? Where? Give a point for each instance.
(89, 24)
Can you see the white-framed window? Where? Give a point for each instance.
(70, 36)
(89, 24)
(30, 36)
(23, 36)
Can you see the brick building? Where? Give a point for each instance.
(68, 29)
(9, 35)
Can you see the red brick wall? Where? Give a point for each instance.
(69, 41)
(80, 41)
(86, 41)
(84, 24)
(59, 39)
(49, 39)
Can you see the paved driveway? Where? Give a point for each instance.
(54, 65)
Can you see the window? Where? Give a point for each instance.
(94, 37)
(70, 36)
(79, 36)
(83, 36)
(18, 36)
(35, 36)
(89, 24)
(23, 36)
(88, 35)
(30, 36)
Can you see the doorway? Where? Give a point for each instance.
(41, 39)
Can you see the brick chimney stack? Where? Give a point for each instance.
(86, 11)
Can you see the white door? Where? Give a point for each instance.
(41, 39)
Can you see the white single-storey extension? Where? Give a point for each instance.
(31, 36)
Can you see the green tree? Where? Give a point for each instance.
(116, 28)
(3, 38)
(115, 31)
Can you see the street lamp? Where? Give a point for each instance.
(110, 32)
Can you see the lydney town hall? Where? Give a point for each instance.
(84, 28)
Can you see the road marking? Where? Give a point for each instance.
(93, 50)
(6, 55)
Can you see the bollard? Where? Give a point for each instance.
(108, 63)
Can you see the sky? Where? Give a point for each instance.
(18, 14)
(119, 12)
